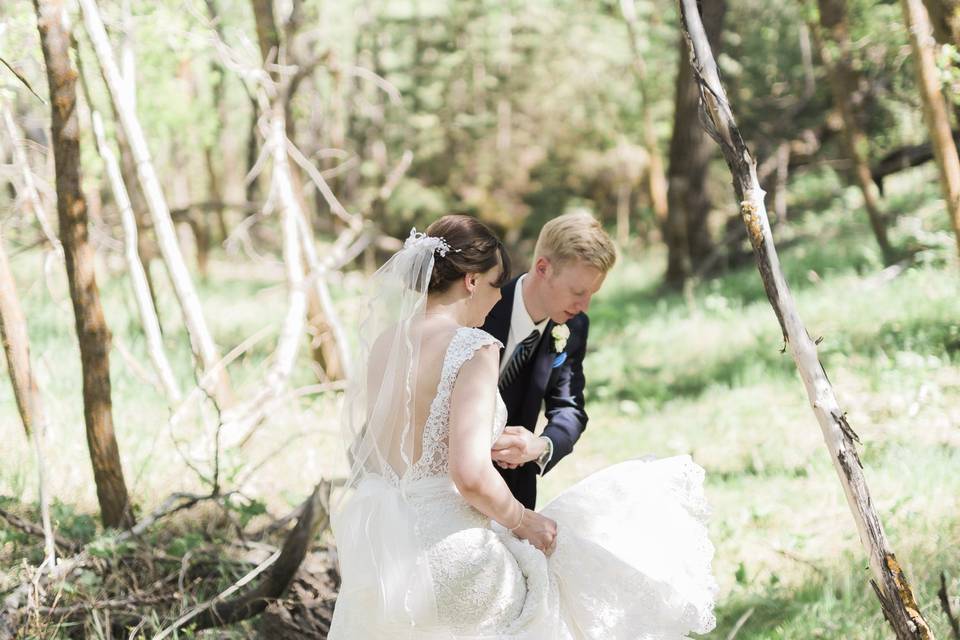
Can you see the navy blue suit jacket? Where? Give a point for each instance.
(559, 388)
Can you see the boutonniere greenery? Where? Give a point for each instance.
(560, 334)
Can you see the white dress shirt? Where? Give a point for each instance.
(521, 324)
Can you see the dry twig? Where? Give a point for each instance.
(945, 603)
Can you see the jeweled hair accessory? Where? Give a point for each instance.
(419, 240)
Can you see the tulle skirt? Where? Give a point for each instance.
(632, 562)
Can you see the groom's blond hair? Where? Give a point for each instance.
(576, 236)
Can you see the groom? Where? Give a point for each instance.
(541, 319)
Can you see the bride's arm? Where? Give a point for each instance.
(472, 406)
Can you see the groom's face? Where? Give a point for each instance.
(568, 286)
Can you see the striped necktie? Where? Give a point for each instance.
(519, 358)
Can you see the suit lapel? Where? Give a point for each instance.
(497, 323)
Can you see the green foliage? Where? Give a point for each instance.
(181, 545)
(73, 524)
(107, 547)
(245, 509)
(415, 204)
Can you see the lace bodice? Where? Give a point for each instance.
(433, 461)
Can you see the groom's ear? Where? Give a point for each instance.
(541, 266)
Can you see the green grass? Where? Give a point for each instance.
(667, 374)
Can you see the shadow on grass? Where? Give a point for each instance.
(934, 333)
(766, 613)
(655, 386)
(823, 238)
(805, 262)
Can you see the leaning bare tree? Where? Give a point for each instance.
(16, 346)
(139, 275)
(201, 340)
(92, 332)
(891, 586)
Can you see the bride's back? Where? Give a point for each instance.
(433, 335)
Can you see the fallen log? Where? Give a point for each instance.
(902, 158)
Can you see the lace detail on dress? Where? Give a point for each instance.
(433, 461)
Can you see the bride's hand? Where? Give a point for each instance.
(539, 530)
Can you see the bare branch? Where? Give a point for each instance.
(28, 527)
(23, 80)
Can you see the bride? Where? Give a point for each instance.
(431, 542)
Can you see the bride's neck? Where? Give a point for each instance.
(451, 307)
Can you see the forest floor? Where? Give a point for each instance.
(668, 373)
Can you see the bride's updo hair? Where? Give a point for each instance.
(474, 248)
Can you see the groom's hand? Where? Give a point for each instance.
(517, 446)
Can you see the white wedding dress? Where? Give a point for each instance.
(632, 559)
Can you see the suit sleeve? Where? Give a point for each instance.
(564, 403)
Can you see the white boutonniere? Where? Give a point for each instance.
(560, 334)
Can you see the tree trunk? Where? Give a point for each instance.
(835, 50)
(16, 347)
(293, 325)
(213, 148)
(252, 189)
(201, 341)
(92, 331)
(656, 179)
(327, 336)
(128, 169)
(934, 108)
(623, 214)
(685, 232)
(775, 182)
(268, 36)
(324, 321)
(945, 20)
(246, 417)
(323, 343)
(890, 583)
